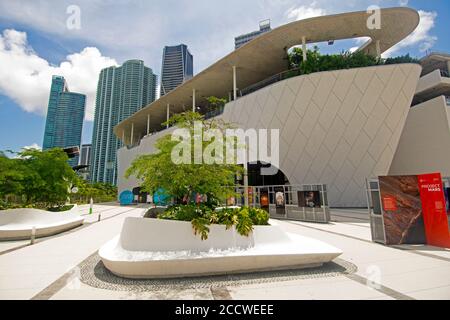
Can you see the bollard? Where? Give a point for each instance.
(99, 217)
(91, 205)
(33, 235)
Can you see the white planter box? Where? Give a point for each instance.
(155, 248)
(17, 224)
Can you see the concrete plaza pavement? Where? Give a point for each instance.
(28, 270)
(47, 269)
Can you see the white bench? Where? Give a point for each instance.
(155, 248)
(17, 224)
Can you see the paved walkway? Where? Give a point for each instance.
(48, 269)
(28, 270)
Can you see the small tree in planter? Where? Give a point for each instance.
(182, 179)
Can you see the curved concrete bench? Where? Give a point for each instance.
(17, 224)
(154, 248)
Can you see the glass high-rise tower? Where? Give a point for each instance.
(65, 117)
(177, 67)
(121, 91)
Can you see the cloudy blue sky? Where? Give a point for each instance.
(36, 42)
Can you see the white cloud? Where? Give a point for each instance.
(403, 3)
(421, 37)
(26, 78)
(33, 146)
(305, 12)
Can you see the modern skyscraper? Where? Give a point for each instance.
(85, 160)
(65, 117)
(177, 67)
(85, 154)
(264, 26)
(121, 91)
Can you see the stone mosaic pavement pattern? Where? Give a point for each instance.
(93, 273)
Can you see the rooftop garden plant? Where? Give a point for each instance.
(317, 62)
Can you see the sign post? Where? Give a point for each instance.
(434, 212)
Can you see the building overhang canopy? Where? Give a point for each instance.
(266, 55)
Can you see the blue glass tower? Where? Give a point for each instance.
(65, 117)
(121, 91)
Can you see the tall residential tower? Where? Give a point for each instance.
(121, 91)
(177, 67)
(264, 26)
(65, 117)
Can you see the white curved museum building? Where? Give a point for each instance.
(336, 127)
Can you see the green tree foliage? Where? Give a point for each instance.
(99, 192)
(401, 59)
(12, 173)
(48, 177)
(43, 179)
(182, 180)
(317, 62)
(215, 103)
(39, 178)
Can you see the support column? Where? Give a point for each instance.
(193, 100)
(132, 133)
(234, 84)
(148, 124)
(246, 182)
(168, 115)
(378, 49)
(304, 48)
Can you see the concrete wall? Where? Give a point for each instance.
(336, 127)
(126, 156)
(424, 145)
(429, 81)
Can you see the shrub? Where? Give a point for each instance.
(61, 208)
(259, 217)
(201, 216)
(317, 62)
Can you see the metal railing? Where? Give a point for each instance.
(294, 203)
(213, 113)
(271, 80)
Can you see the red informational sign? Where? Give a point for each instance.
(389, 203)
(434, 214)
